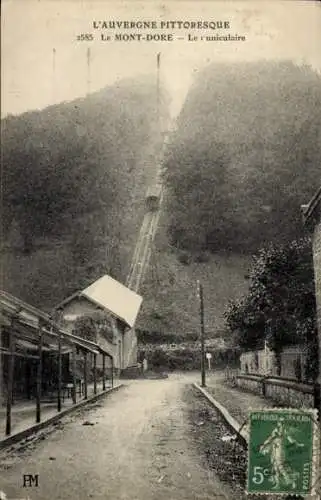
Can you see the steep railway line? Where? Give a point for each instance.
(141, 259)
(142, 252)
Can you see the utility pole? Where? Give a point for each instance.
(200, 296)
(158, 94)
(53, 76)
(88, 71)
(157, 88)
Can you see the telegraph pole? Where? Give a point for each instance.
(88, 71)
(158, 96)
(200, 296)
(53, 76)
(157, 88)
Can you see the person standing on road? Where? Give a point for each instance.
(145, 365)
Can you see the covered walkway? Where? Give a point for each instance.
(42, 365)
(23, 411)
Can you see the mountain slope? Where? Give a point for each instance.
(74, 180)
(246, 154)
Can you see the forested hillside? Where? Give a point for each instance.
(74, 178)
(246, 154)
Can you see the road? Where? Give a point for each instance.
(140, 445)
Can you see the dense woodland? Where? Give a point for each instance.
(246, 154)
(74, 182)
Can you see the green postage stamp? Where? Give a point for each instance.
(282, 452)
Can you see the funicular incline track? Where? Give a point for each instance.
(141, 258)
(143, 248)
(142, 252)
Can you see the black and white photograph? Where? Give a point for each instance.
(160, 259)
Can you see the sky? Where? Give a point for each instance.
(32, 78)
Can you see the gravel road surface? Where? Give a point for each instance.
(138, 443)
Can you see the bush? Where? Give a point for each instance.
(202, 257)
(184, 258)
(158, 359)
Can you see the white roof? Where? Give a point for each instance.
(115, 297)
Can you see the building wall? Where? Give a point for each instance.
(124, 346)
(317, 269)
(99, 363)
(263, 362)
(248, 362)
(260, 362)
(79, 306)
(82, 307)
(130, 348)
(293, 362)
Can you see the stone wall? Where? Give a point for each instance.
(289, 393)
(281, 391)
(250, 383)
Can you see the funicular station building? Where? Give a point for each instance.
(118, 306)
(43, 360)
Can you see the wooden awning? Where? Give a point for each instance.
(25, 321)
(28, 333)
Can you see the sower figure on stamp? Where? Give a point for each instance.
(274, 446)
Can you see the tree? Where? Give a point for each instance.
(197, 189)
(92, 326)
(86, 328)
(280, 305)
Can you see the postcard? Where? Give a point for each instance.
(160, 258)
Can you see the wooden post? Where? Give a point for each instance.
(104, 372)
(59, 372)
(112, 372)
(85, 374)
(74, 382)
(95, 374)
(200, 293)
(10, 377)
(1, 376)
(120, 354)
(158, 97)
(39, 374)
